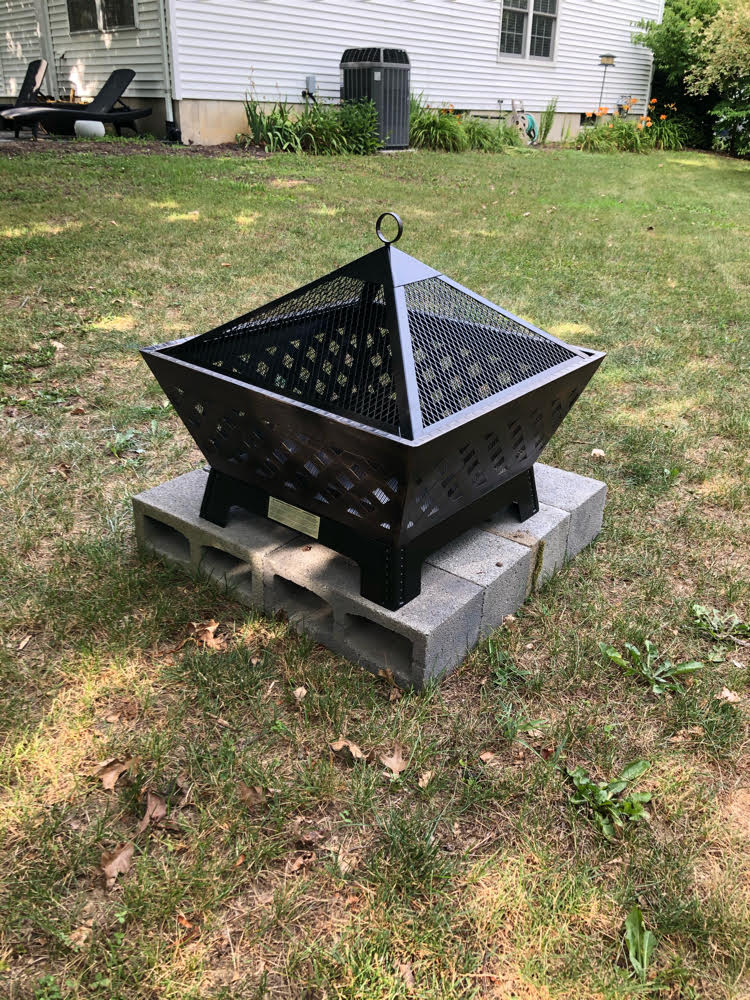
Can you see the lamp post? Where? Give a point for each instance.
(606, 60)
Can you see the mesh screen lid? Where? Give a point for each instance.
(386, 340)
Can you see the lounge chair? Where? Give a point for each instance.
(29, 92)
(60, 118)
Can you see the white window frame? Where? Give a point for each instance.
(100, 29)
(528, 15)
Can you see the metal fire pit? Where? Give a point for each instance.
(382, 409)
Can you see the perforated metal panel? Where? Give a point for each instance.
(329, 346)
(465, 351)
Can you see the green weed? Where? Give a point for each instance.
(611, 810)
(644, 664)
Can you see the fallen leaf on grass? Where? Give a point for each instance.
(81, 936)
(156, 810)
(598, 454)
(406, 973)
(395, 691)
(346, 751)
(310, 838)
(395, 762)
(298, 863)
(729, 696)
(24, 643)
(183, 921)
(204, 633)
(682, 735)
(425, 779)
(254, 795)
(110, 771)
(117, 862)
(299, 694)
(487, 757)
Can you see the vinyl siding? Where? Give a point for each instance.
(85, 60)
(222, 49)
(21, 42)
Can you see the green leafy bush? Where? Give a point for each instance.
(605, 801)
(321, 129)
(442, 129)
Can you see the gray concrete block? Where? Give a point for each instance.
(502, 568)
(545, 533)
(468, 586)
(319, 590)
(582, 497)
(168, 522)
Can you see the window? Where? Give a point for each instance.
(100, 15)
(515, 37)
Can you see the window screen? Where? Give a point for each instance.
(117, 14)
(513, 27)
(82, 15)
(543, 28)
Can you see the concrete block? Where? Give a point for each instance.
(168, 522)
(500, 567)
(545, 533)
(319, 590)
(468, 586)
(582, 497)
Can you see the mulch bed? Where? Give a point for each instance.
(65, 147)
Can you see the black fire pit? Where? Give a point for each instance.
(382, 409)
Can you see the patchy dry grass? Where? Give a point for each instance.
(278, 869)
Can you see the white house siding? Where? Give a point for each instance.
(223, 48)
(85, 59)
(21, 42)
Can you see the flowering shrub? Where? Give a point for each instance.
(651, 131)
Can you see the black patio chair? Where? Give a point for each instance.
(60, 118)
(29, 92)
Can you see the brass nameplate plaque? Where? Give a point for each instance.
(293, 517)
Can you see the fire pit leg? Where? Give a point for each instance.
(390, 576)
(526, 501)
(219, 496)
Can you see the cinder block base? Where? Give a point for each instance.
(468, 586)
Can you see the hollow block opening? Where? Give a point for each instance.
(229, 571)
(303, 607)
(165, 540)
(379, 645)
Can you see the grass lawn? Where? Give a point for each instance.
(279, 871)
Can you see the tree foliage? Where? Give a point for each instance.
(674, 41)
(724, 47)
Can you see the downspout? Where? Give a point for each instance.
(173, 133)
(48, 46)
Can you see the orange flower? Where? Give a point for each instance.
(589, 114)
(647, 119)
(649, 124)
(642, 118)
(611, 125)
(662, 118)
(639, 127)
(652, 101)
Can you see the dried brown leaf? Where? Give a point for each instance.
(487, 757)
(300, 862)
(251, 796)
(425, 778)
(205, 635)
(81, 936)
(311, 838)
(156, 810)
(117, 862)
(299, 694)
(109, 771)
(395, 762)
(729, 696)
(406, 973)
(346, 751)
(24, 642)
